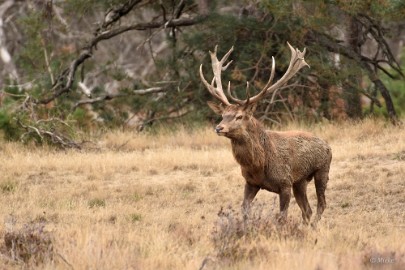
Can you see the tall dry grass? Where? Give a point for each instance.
(139, 201)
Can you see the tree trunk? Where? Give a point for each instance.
(9, 68)
(325, 99)
(351, 94)
(388, 101)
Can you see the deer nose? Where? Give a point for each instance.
(218, 129)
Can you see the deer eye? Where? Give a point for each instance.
(239, 117)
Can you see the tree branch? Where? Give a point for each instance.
(112, 96)
(376, 31)
(114, 14)
(65, 80)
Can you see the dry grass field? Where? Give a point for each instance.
(172, 201)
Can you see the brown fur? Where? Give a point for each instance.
(276, 161)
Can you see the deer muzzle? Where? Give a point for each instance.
(219, 130)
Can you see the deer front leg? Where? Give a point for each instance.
(250, 194)
(285, 196)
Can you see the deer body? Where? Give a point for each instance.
(286, 158)
(279, 162)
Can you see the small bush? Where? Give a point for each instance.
(30, 245)
(8, 126)
(234, 237)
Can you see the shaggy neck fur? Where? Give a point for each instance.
(248, 146)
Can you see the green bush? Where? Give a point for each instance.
(8, 126)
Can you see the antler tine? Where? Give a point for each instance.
(264, 90)
(241, 102)
(247, 92)
(225, 57)
(217, 67)
(215, 88)
(296, 63)
(273, 70)
(212, 90)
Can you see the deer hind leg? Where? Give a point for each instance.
(249, 195)
(321, 181)
(300, 194)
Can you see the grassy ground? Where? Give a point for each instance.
(154, 202)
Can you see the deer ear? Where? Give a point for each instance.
(250, 108)
(217, 108)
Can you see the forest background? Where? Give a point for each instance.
(74, 67)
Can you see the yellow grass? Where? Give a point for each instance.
(150, 202)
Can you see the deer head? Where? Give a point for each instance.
(236, 117)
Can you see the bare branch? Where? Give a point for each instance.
(118, 95)
(85, 89)
(144, 26)
(69, 77)
(177, 12)
(53, 136)
(116, 13)
(48, 66)
(87, 51)
(165, 118)
(376, 31)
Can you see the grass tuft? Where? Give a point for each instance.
(8, 186)
(96, 202)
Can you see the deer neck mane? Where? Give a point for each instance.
(249, 147)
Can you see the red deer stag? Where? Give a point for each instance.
(270, 160)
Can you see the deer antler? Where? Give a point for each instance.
(296, 63)
(217, 68)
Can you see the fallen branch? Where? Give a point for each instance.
(56, 138)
